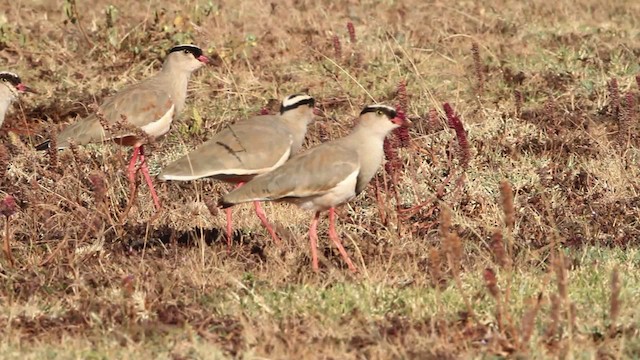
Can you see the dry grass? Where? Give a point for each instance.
(513, 233)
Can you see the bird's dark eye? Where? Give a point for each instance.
(187, 51)
(379, 112)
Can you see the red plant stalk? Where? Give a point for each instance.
(477, 63)
(626, 117)
(402, 133)
(630, 112)
(434, 122)
(352, 32)
(391, 155)
(99, 187)
(337, 47)
(614, 97)
(461, 134)
(8, 207)
(4, 160)
(402, 95)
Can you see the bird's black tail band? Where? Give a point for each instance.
(43, 146)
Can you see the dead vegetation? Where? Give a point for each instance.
(505, 223)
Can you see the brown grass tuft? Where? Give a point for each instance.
(626, 118)
(128, 286)
(506, 195)
(561, 276)
(477, 65)
(445, 222)
(8, 207)
(614, 98)
(434, 266)
(52, 153)
(614, 300)
(517, 96)
(77, 160)
(491, 282)
(555, 316)
(454, 248)
(498, 249)
(433, 120)
(98, 186)
(528, 322)
(211, 206)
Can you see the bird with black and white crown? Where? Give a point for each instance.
(247, 149)
(146, 108)
(326, 176)
(10, 88)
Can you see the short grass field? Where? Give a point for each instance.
(507, 228)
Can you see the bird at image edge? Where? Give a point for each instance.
(10, 87)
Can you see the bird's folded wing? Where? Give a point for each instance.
(246, 148)
(312, 173)
(139, 106)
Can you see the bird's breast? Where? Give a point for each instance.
(161, 126)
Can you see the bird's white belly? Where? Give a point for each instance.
(341, 193)
(285, 156)
(160, 126)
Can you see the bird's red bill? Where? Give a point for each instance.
(402, 122)
(24, 88)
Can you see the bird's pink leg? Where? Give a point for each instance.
(230, 221)
(229, 229)
(147, 177)
(263, 218)
(333, 235)
(313, 240)
(133, 186)
(131, 170)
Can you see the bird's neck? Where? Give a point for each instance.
(368, 143)
(176, 84)
(298, 128)
(370, 133)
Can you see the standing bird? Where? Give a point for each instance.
(10, 87)
(248, 148)
(140, 111)
(326, 176)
